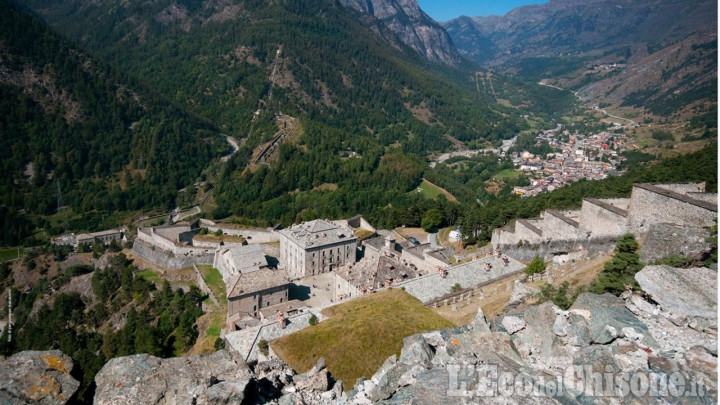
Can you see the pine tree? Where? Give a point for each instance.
(620, 271)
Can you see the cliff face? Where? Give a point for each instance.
(411, 25)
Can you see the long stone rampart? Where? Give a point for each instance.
(601, 221)
(683, 188)
(707, 197)
(203, 286)
(525, 252)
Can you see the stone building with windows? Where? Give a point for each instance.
(88, 239)
(249, 293)
(316, 247)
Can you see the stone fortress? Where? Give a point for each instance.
(345, 259)
(563, 235)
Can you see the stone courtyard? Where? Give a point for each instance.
(315, 291)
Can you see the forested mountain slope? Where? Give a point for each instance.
(221, 58)
(71, 122)
(366, 115)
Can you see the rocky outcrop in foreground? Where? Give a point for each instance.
(34, 377)
(217, 378)
(638, 348)
(555, 354)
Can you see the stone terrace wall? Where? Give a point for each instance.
(525, 252)
(528, 230)
(502, 236)
(251, 235)
(558, 226)
(707, 197)
(650, 205)
(600, 219)
(203, 286)
(684, 188)
(622, 203)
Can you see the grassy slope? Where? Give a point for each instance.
(431, 191)
(212, 322)
(359, 335)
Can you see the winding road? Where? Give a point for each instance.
(631, 122)
(234, 145)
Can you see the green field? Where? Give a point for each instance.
(150, 276)
(211, 323)
(431, 191)
(360, 335)
(216, 324)
(507, 174)
(10, 254)
(214, 280)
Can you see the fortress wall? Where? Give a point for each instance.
(684, 188)
(598, 219)
(707, 197)
(572, 214)
(503, 237)
(345, 288)
(154, 239)
(528, 230)
(558, 226)
(650, 205)
(419, 262)
(214, 245)
(548, 250)
(435, 262)
(252, 235)
(622, 203)
(176, 259)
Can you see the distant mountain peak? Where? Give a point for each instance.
(411, 25)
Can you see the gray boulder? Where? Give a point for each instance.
(217, 378)
(521, 292)
(608, 316)
(416, 350)
(480, 323)
(317, 379)
(686, 292)
(513, 323)
(388, 381)
(37, 377)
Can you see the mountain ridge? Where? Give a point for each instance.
(414, 28)
(562, 26)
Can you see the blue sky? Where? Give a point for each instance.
(443, 10)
